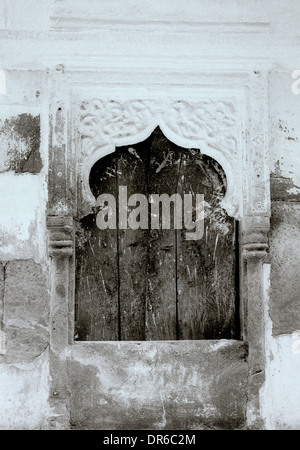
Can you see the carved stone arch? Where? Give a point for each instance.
(101, 132)
(97, 154)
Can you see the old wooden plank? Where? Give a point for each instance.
(206, 267)
(133, 165)
(97, 265)
(161, 316)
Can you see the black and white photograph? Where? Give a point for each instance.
(149, 218)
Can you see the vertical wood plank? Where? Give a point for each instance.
(206, 268)
(133, 165)
(97, 265)
(161, 314)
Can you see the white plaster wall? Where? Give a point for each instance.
(24, 395)
(22, 223)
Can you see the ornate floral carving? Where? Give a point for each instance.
(110, 121)
(212, 122)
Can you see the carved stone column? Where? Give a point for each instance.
(255, 245)
(60, 250)
(60, 246)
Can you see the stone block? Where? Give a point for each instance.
(26, 311)
(285, 262)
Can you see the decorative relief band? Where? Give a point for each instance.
(212, 122)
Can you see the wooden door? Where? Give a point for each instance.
(154, 284)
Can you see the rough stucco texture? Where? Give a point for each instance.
(26, 311)
(285, 262)
(170, 385)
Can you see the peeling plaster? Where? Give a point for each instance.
(20, 144)
(284, 134)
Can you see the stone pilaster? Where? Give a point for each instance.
(60, 250)
(255, 246)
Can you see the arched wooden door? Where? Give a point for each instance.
(155, 284)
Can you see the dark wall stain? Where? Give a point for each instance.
(22, 137)
(280, 187)
(283, 127)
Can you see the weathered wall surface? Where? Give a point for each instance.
(198, 385)
(24, 275)
(285, 196)
(109, 387)
(281, 394)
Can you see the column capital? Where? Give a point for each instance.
(255, 231)
(61, 242)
